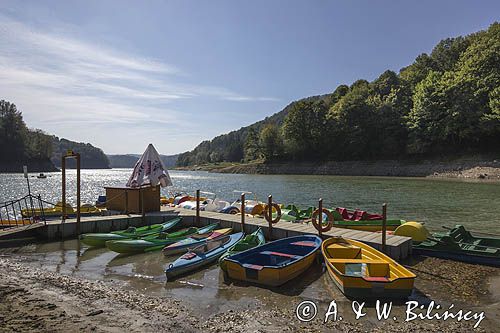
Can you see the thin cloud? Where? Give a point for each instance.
(60, 82)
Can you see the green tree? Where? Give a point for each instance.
(306, 130)
(416, 72)
(271, 142)
(13, 131)
(251, 148)
(385, 83)
(448, 51)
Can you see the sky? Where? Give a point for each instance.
(122, 74)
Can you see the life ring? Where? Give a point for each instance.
(278, 213)
(322, 228)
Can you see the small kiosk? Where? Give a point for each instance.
(142, 192)
(131, 200)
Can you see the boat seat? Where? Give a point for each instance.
(254, 267)
(343, 250)
(189, 255)
(304, 243)
(280, 254)
(363, 267)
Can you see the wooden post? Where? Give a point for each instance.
(198, 208)
(243, 212)
(320, 216)
(270, 207)
(384, 226)
(63, 184)
(77, 193)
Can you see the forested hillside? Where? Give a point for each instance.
(20, 146)
(231, 146)
(444, 103)
(91, 157)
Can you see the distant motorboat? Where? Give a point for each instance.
(41, 176)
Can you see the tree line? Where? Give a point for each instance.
(20, 145)
(445, 102)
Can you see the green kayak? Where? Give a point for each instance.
(157, 242)
(459, 244)
(248, 242)
(99, 239)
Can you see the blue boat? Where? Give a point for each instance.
(193, 241)
(202, 255)
(274, 263)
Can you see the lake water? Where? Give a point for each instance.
(435, 202)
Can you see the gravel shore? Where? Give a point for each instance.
(472, 168)
(38, 300)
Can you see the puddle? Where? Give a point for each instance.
(204, 291)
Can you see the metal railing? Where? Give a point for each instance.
(21, 212)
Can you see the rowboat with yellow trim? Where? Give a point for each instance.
(274, 263)
(362, 272)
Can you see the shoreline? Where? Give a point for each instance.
(42, 300)
(472, 168)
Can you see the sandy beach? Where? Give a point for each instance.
(39, 300)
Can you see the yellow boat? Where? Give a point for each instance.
(85, 209)
(13, 223)
(362, 272)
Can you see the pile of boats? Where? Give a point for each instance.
(456, 244)
(342, 217)
(357, 269)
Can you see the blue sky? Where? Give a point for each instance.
(122, 74)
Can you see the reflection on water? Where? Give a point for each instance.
(435, 202)
(204, 291)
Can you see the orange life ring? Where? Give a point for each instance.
(278, 213)
(324, 228)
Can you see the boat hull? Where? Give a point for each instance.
(272, 268)
(183, 245)
(358, 290)
(362, 272)
(137, 245)
(460, 245)
(183, 266)
(100, 239)
(458, 256)
(154, 243)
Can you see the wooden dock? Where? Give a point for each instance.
(397, 247)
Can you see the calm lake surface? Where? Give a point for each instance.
(435, 202)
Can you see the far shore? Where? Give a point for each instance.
(471, 168)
